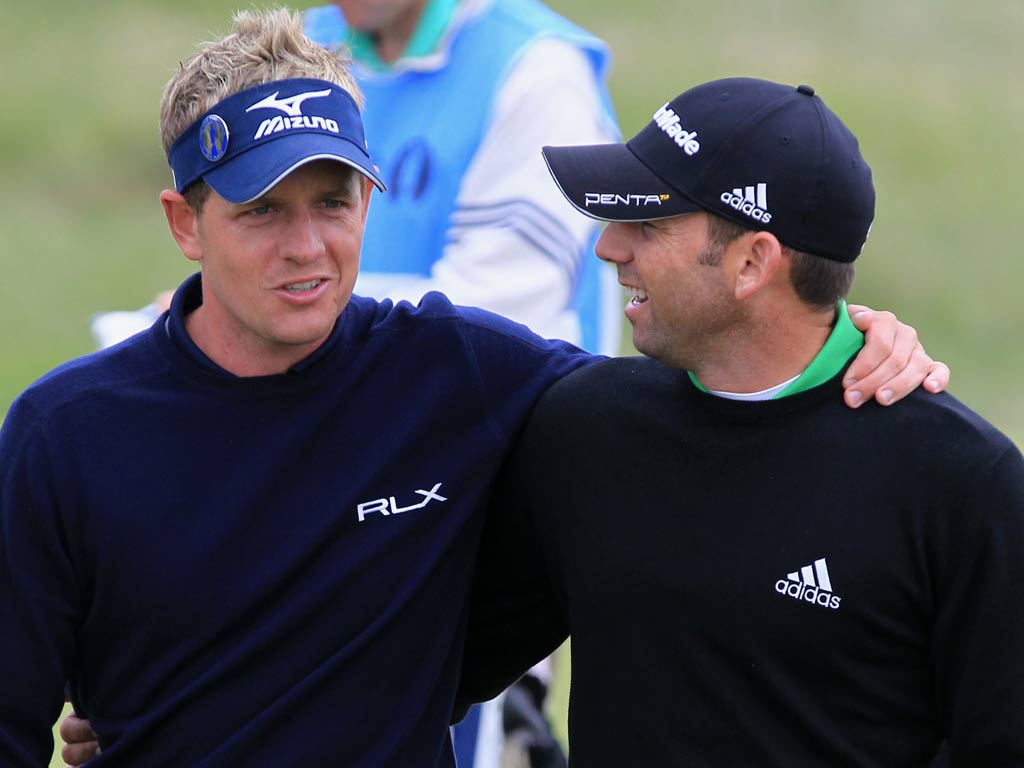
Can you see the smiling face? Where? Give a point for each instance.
(277, 271)
(682, 304)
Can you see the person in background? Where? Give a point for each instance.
(460, 97)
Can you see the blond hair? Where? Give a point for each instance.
(265, 46)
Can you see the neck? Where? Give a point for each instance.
(771, 350)
(240, 355)
(391, 40)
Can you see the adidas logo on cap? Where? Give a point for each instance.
(810, 584)
(752, 201)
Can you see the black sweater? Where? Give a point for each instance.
(781, 583)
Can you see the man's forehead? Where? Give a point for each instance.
(677, 222)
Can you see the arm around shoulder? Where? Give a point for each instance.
(516, 618)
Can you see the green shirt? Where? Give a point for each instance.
(437, 15)
(842, 344)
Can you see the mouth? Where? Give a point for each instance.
(636, 295)
(303, 287)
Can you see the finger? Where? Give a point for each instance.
(937, 379)
(888, 348)
(857, 309)
(75, 729)
(921, 370)
(79, 754)
(893, 379)
(880, 339)
(906, 381)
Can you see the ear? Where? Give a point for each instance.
(183, 223)
(368, 187)
(756, 263)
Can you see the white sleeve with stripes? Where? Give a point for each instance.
(515, 244)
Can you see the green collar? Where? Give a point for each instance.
(842, 344)
(437, 15)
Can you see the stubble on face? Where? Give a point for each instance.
(692, 309)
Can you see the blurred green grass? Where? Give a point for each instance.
(929, 86)
(926, 84)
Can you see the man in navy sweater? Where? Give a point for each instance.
(253, 524)
(246, 534)
(751, 573)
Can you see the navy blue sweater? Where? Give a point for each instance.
(260, 571)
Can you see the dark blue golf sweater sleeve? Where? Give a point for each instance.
(39, 595)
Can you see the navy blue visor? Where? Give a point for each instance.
(247, 143)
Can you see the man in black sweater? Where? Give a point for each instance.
(753, 574)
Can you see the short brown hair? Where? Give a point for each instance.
(818, 282)
(265, 46)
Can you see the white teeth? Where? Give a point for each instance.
(637, 295)
(300, 287)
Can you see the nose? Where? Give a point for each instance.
(613, 244)
(304, 242)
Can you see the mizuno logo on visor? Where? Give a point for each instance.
(292, 106)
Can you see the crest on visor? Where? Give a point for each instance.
(213, 138)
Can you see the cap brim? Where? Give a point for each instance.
(252, 174)
(608, 182)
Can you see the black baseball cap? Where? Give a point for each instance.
(764, 155)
